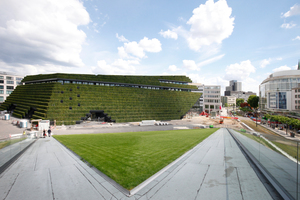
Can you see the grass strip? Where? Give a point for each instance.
(288, 146)
(10, 142)
(259, 140)
(131, 158)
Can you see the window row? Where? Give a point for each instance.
(7, 91)
(212, 107)
(173, 82)
(211, 100)
(10, 78)
(7, 87)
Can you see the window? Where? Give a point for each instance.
(19, 79)
(212, 106)
(10, 82)
(10, 87)
(1, 99)
(206, 106)
(298, 96)
(1, 91)
(1, 87)
(9, 91)
(295, 96)
(1, 81)
(9, 78)
(19, 83)
(2, 77)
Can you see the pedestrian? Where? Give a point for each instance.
(49, 132)
(44, 133)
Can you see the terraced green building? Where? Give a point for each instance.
(70, 98)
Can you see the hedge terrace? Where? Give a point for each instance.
(143, 80)
(68, 103)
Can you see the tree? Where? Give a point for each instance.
(253, 101)
(239, 101)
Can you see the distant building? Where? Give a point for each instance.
(8, 83)
(229, 100)
(233, 86)
(280, 91)
(242, 94)
(210, 101)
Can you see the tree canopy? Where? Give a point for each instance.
(253, 101)
(239, 101)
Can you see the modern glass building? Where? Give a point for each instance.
(275, 92)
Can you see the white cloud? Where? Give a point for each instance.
(294, 10)
(119, 66)
(265, 62)
(211, 60)
(138, 49)
(173, 68)
(190, 64)
(239, 71)
(42, 33)
(169, 34)
(211, 23)
(282, 68)
(288, 25)
(121, 38)
(297, 38)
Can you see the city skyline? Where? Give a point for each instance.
(212, 42)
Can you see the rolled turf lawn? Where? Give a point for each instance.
(131, 158)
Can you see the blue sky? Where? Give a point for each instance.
(212, 42)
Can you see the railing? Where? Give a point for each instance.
(12, 147)
(281, 171)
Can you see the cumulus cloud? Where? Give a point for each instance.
(265, 62)
(211, 23)
(173, 68)
(297, 38)
(138, 49)
(282, 68)
(239, 71)
(119, 66)
(121, 38)
(288, 25)
(294, 10)
(169, 34)
(190, 64)
(42, 33)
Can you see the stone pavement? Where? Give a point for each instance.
(214, 169)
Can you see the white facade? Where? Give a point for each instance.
(8, 83)
(242, 94)
(210, 101)
(231, 100)
(276, 92)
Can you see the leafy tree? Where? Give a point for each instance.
(253, 101)
(226, 105)
(239, 101)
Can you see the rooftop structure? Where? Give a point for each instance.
(70, 98)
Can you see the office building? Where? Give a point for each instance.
(8, 82)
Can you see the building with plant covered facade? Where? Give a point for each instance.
(70, 98)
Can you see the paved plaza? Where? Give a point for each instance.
(214, 169)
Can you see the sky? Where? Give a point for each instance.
(212, 42)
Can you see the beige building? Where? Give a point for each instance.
(8, 83)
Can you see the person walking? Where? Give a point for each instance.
(44, 133)
(49, 132)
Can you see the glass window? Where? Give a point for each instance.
(10, 82)
(212, 106)
(19, 83)
(1, 87)
(1, 91)
(295, 96)
(19, 79)
(206, 106)
(9, 91)
(298, 101)
(9, 78)
(1, 81)
(10, 87)
(1, 99)
(1, 77)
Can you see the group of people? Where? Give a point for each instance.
(45, 134)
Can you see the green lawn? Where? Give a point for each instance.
(131, 158)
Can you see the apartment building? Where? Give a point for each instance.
(8, 82)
